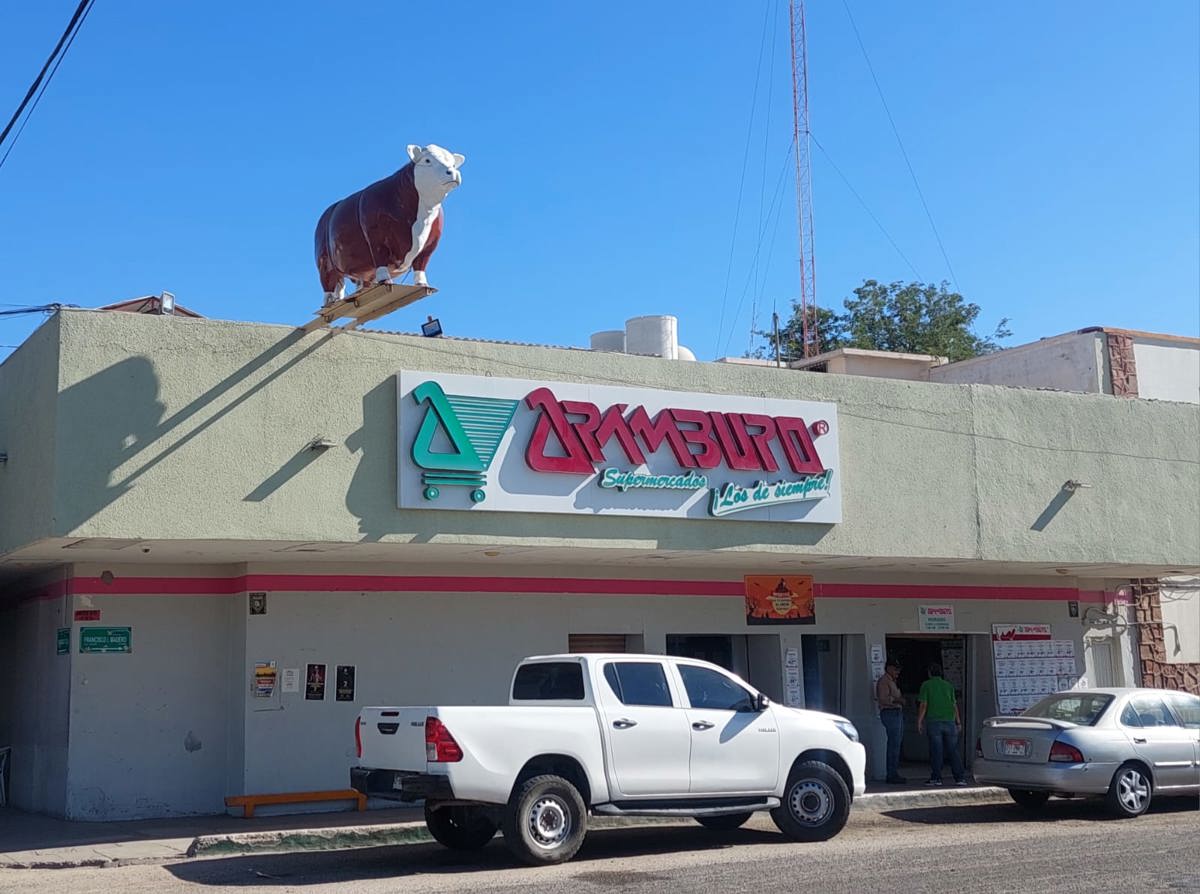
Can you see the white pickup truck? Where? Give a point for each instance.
(644, 735)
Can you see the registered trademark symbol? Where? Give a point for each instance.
(820, 427)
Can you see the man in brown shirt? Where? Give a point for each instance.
(891, 715)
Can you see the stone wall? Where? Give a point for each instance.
(1156, 670)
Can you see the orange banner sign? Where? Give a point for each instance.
(771, 599)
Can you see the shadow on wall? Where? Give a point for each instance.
(119, 411)
(372, 498)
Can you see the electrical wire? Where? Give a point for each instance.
(52, 63)
(896, 132)
(737, 215)
(865, 207)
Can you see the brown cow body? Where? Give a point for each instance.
(389, 228)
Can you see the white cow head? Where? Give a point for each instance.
(435, 171)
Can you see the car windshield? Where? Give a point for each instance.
(1081, 708)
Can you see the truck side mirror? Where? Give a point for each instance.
(761, 702)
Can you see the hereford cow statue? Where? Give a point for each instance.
(391, 226)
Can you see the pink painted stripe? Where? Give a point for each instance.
(370, 583)
(934, 592)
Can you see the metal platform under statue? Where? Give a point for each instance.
(367, 304)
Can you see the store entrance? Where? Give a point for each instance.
(915, 653)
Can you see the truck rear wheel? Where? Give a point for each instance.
(816, 803)
(545, 821)
(459, 828)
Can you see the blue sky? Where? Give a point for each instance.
(192, 147)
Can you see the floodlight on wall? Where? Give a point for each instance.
(431, 328)
(320, 444)
(166, 303)
(1073, 485)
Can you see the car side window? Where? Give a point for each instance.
(1129, 717)
(641, 683)
(1187, 707)
(1151, 711)
(709, 689)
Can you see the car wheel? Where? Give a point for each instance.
(816, 803)
(724, 822)
(1130, 791)
(459, 828)
(545, 821)
(1028, 799)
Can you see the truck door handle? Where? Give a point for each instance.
(702, 724)
(623, 723)
(1138, 741)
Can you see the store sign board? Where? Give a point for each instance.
(935, 618)
(63, 640)
(772, 599)
(516, 445)
(1002, 632)
(105, 639)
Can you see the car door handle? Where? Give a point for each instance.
(623, 723)
(702, 725)
(1138, 741)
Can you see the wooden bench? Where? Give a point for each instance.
(249, 802)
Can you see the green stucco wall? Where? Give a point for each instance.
(195, 429)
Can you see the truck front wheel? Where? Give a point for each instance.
(545, 821)
(459, 828)
(816, 803)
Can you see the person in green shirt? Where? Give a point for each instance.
(938, 718)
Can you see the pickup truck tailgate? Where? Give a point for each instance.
(393, 737)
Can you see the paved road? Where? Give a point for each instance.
(986, 847)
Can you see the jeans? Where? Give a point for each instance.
(893, 722)
(943, 740)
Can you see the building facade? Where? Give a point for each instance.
(219, 540)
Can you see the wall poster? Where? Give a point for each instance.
(314, 683)
(291, 679)
(265, 676)
(1030, 665)
(771, 599)
(344, 691)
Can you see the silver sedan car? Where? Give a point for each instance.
(1125, 745)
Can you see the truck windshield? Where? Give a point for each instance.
(549, 681)
(1082, 709)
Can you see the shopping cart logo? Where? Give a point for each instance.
(473, 428)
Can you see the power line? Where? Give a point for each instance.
(741, 183)
(895, 131)
(865, 207)
(55, 59)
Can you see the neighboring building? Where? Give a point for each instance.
(194, 515)
(1097, 360)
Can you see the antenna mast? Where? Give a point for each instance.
(800, 138)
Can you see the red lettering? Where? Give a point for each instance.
(735, 442)
(661, 429)
(798, 446)
(553, 418)
(761, 439)
(585, 429)
(709, 454)
(613, 424)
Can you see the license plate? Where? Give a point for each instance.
(1014, 747)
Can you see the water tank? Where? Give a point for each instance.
(609, 340)
(654, 335)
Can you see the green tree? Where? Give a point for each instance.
(911, 318)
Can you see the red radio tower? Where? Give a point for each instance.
(800, 137)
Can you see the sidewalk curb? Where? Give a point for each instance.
(393, 834)
(414, 832)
